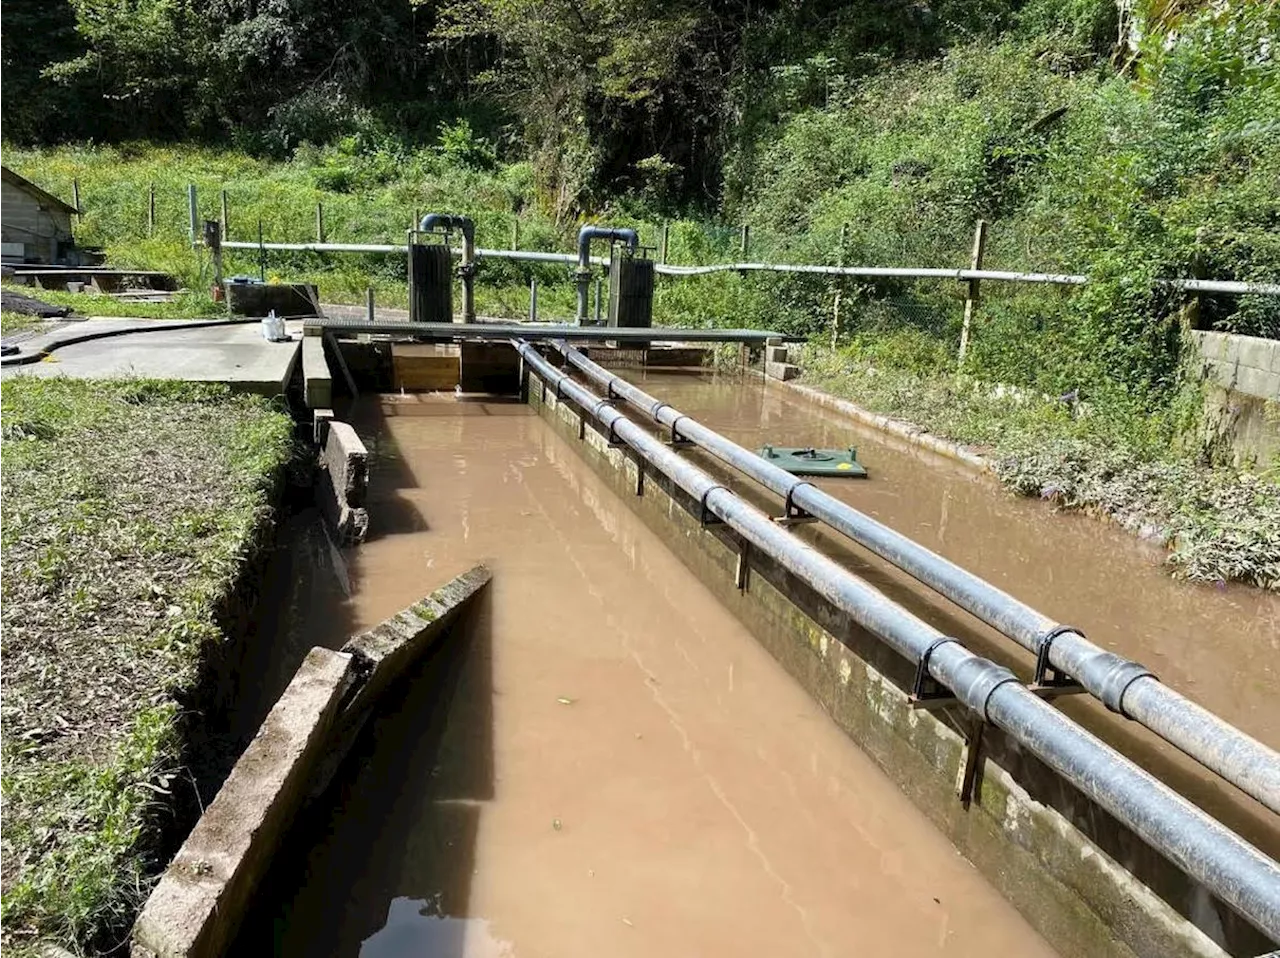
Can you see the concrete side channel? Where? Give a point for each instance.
(637, 739)
(1088, 884)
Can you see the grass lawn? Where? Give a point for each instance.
(128, 510)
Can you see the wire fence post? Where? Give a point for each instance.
(151, 211)
(226, 229)
(971, 299)
(666, 240)
(262, 254)
(746, 241)
(319, 222)
(369, 303)
(533, 299)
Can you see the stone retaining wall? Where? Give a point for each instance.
(1242, 402)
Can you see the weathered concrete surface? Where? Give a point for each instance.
(913, 434)
(287, 299)
(425, 366)
(195, 909)
(776, 354)
(490, 368)
(342, 482)
(233, 354)
(384, 653)
(782, 371)
(1242, 391)
(666, 356)
(317, 379)
(1056, 856)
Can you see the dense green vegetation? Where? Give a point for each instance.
(129, 510)
(1126, 141)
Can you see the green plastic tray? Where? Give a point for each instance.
(816, 462)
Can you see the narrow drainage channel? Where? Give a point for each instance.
(1215, 644)
(603, 761)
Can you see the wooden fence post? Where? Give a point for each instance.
(971, 299)
(666, 241)
(226, 228)
(835, 309)
(192, 213)
(151, 210)
(319, 222)
(515, 233)
(746, 241)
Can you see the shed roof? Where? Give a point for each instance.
(25, 184)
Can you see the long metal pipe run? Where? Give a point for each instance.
(1202, 847)
(1123, 686)
(1231, 287)
(505, 330)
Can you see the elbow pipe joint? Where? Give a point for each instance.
(445, 221)
(589, 233)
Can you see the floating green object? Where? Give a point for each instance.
(816, 462)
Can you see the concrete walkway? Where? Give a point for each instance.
(155, 349)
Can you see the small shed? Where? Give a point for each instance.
(35, 226)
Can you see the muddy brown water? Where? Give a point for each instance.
(1217, 645)
(604, 761)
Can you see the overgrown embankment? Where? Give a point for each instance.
(129, 510)
(1140, 467)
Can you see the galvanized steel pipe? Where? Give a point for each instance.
(1123, 686)
(1202, 847)
(1230, 287)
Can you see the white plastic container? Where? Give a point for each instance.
(273, 330)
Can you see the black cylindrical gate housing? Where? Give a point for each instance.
(631, 291)
(430, 283)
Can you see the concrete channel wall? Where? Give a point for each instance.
(1242, 391)
(1086, 883)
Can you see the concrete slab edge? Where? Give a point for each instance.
(385, 653)
(1077, 895)
(203, 895)
(910, 432)
(342, 482)
(196, 908)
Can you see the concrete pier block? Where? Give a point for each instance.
(342, 483)
(317, 379)
(782, 371)
(195, 910)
